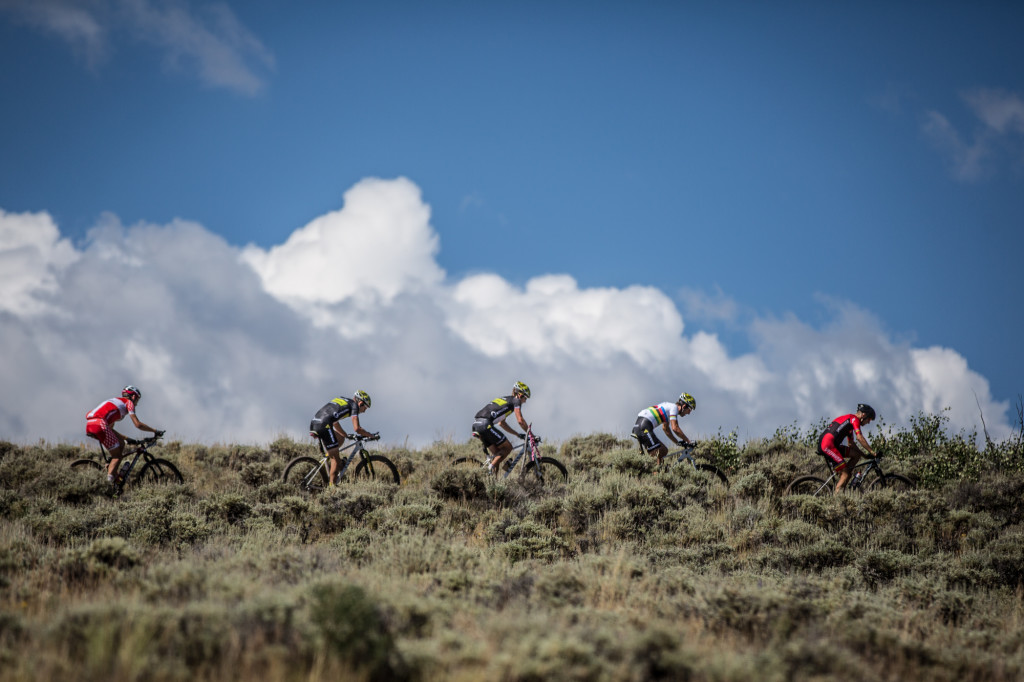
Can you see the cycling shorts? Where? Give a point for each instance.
(837, 453)
(488, 432)
(101, 431)
(644, 432)
(325, 432)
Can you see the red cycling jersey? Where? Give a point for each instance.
(840, 429)
(112, 411)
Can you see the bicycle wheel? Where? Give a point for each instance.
(160, 471)
(712, 474)
(469, 463)
(548, 469)
(306, 473)
(87, 465)
(808, 485)
(896, 482)
(377, 468)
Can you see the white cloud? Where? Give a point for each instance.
(31, 255)
(1000, 126)
(236, 344)
(213, 42)
(73, 22)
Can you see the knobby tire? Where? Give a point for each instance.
(808, 485)
(297, 469)
(897, 482)
(714, 471)
(547, 464)
(377, 468)
(86, 464)
(160, 471)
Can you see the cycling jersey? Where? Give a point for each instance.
(112, 411)
(99, 423)
(830, 443)
(498, 408)
(660, 413)
(339, 408)
(844, 427)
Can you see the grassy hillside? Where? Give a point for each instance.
(620, 575)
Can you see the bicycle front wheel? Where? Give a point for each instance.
(377, 468)
(548, 470)
(306, 473)
(808, 485)
(896, 482)
(711, 474)
(160, 471)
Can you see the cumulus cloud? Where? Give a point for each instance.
(999, 129)
(210, 42)
(233, 344)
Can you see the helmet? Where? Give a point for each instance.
(520, 387)
(867, 410)
(687, 399)
(132, 393)
(363, 396)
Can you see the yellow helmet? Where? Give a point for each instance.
(687, 399)
(520, 387)
(363, 396)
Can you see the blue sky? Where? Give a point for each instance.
(769, 168)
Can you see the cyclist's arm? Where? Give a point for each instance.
(140, 426)
(862, 442)
(522, 422)
(338, 430)
(669, 430)
(503, 424)
(359, 429)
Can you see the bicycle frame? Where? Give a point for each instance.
(141, 448)
(528, 445)
(867, 465)
(357, 449)
(685, 453)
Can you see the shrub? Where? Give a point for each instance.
(460, 483)
(353, 628)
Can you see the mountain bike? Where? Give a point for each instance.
(154, 469)
(862, 480)
(708, 472)
(544, 469)
(310, 474)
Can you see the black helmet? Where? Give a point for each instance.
(866, 410)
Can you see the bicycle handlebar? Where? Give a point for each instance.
(145, 441)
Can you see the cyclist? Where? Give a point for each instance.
(494, 414)
(846, 427)
(668, 415)
(326, 426)
(99, 424)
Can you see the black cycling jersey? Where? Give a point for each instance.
(339, 408)
(498, 408)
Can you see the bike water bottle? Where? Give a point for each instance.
(857, 479)
(124, 471)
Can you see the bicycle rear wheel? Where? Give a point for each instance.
(377, 468)
(87, 465)
(160, 471)
(469, 463)
(808, 485)
(306, 473)
(896, 482)
(548, 470)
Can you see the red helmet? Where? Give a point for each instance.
(132, 393)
